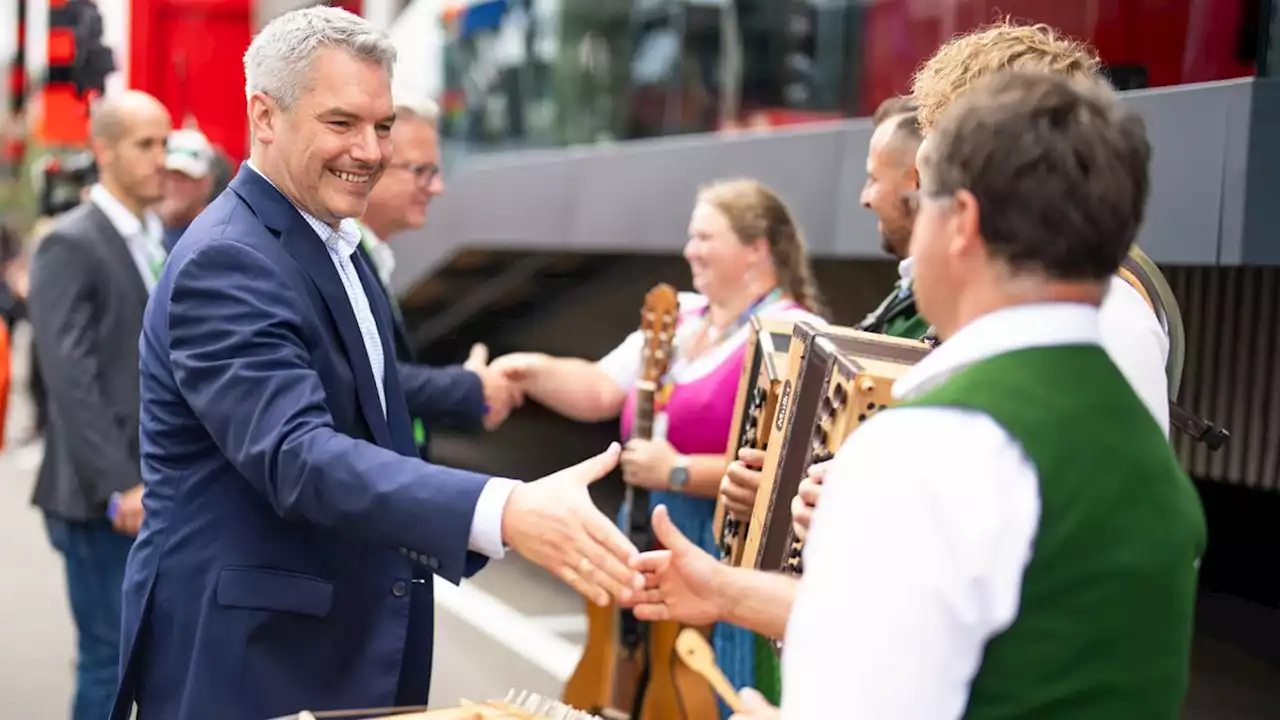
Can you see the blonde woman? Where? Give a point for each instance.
(747, 257)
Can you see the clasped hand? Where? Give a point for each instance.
(554, 523)
(501, 394)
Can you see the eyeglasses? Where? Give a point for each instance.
(423, 173)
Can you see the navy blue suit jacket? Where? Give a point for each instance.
(291, 533)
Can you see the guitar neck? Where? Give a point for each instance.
(642, 417)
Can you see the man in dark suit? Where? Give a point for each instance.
(470, 397)
(90, 278)
(291, 534)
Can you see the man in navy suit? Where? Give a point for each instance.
(290, 536)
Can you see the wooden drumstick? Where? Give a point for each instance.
(696, 652)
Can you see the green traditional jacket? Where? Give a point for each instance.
(1104, 622)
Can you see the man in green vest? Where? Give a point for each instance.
(1041, 561)
(465, 396)
(891, 182)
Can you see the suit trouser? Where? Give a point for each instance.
(94, 556)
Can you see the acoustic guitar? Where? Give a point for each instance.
(630, 669)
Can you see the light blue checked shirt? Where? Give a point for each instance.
(486, 525)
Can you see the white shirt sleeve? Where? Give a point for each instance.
(623, 362)
(912, 564)
(486, 522)
(1132, 336)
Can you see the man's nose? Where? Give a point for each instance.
(367, 148)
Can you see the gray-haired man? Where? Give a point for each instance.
(467, 397)
(291, 534)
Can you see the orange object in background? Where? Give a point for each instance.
(63, 118)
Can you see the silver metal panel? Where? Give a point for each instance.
(639, 196)
(636, 197)
(1188, 130)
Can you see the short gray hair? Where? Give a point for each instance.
(424, 109)
(278, 61)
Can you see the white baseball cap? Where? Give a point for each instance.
(189, 153)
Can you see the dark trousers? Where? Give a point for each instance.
(94, 555)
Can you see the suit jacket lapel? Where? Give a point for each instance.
(119, 254)
(306, 247)
(400, 335)
(380, 306)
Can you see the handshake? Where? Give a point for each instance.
(503, 392)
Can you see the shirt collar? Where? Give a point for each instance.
(905, 266)
(1015, 328)
(384, 258)
(344, 240)
(122, 218)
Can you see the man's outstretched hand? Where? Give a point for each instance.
(553, 523)
(682, 582)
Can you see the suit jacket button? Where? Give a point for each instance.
(399, 588)
(404, 551)
(431, 562)
(413, 555)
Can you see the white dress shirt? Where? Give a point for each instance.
(917, 550)
(623, 363)
(144, 236)
(341, 243)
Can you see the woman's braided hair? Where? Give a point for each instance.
(754, 211)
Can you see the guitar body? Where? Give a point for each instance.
(676, 691)
(625, 660)
(593, 685)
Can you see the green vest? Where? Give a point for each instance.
(896, 316)
(1105, 617)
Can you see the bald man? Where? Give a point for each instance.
(90, 280)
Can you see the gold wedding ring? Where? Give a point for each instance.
(584, 567)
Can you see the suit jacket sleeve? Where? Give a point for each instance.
(450, 395)
(61, 302)
(238, 344)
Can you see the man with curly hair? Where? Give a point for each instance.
(965, 59)
(1132, 334)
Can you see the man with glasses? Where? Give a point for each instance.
(468, 396)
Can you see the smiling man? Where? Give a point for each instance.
(291, 534)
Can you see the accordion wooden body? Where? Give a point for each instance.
(836, 378)
(763, 369)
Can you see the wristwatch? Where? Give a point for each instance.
(678, 480)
